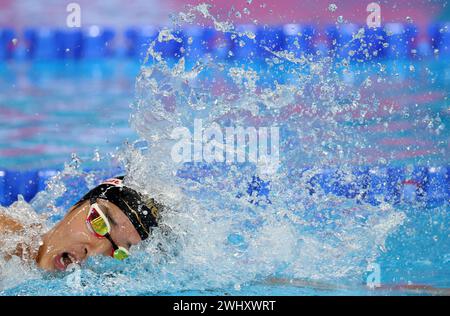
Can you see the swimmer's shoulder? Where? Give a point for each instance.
(21, 249)
(9, 225)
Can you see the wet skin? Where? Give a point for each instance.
(71, 241)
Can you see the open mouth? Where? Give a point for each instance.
(63, 260)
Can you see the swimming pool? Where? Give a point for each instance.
(40, 100)
(44, 100)
(363, 180)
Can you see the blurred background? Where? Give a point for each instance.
(120, 13)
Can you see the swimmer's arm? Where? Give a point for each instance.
(9, 225)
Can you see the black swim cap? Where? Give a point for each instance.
(142, 212)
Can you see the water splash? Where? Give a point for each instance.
(213, 235)
(223, 238)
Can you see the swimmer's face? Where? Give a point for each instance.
(71, 241)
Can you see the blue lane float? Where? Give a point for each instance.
(415, 185)
(69, 43)
(139, 40)
(245, 47)
(13, 183)
(393, 185)
(133, 42)
(43, 177)
(392, 40)
(40, 44)
(98, 42)
(440, 38)
(437, 187)
(49, 44)
(376, 187)
(270, 39)
(375, 43)
(340, 40)
(394, 179)
(201, 41)
(401, 40)
(197, 40)
(7, 45)
(357, 43)
(3, 193)
(300, 39)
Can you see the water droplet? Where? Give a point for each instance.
(332, 7)
(250, 35)
(96, 156)
(75, 161)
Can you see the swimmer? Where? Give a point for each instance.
(108, 220)
(111, 218)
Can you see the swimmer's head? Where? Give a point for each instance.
(72, 240)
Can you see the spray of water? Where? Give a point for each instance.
(213, 234)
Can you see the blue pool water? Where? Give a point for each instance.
(64, 102)
(72, 107)
(363, 177)
(416, 252)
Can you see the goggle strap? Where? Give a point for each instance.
(115, 247)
